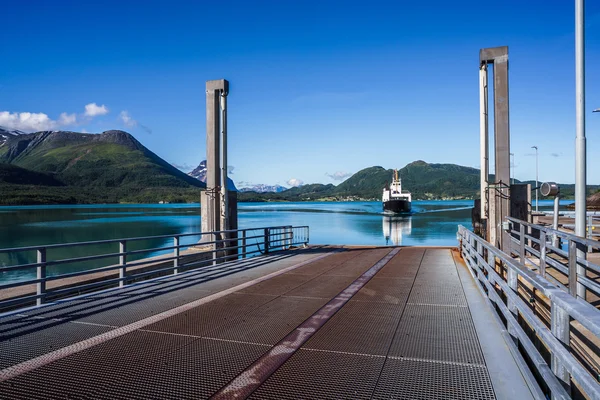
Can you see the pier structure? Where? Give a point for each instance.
(324, 322)
(218, 203)
(495, 196)
(317, 322)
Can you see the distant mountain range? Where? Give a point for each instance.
(71, 167)
(62, 167)
(200, 173)
(423, 180)
(6, 134)
(261, 188)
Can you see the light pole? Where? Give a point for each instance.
(512, 167)
(536, 177)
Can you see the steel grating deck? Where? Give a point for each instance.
(407, 333)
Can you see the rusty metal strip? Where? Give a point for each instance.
(255, 375)
(37, 362)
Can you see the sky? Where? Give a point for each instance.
(318, 89)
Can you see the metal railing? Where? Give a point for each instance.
(170, 256)
(521, 296)
(558, 256)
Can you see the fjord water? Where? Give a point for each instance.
(432, 223)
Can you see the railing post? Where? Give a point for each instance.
(176, 255)
(214, 248)
(572, 253)
(266, 240)
(560, 327)
(590, 232)
(513, 283)
(244, 253)
(542, 253)
(41, 274)
(122, 262)
(522, 243)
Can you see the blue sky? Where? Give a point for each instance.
(318, 88)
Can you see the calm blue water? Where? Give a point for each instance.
(432, 223)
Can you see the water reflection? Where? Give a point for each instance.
(394, 227)
(433, 223)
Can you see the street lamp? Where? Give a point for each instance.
(536, 177)
(512, 169)
(596, 110)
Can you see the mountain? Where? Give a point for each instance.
(6, 134)
(108, 167)
(21, 176)
(423, 180)
(200, 173)
(261, 188)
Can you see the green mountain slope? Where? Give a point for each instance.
(423, 180)
(11, 174)
(108, 167)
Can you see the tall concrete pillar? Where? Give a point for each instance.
(219, 210)
(498, 56)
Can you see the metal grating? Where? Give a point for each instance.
(186, 371)
(89, 373)
(404, 265)
(437, 333)
(359, 327)
(421, 380)
(321, 266)
(312, 374)
(42, 338)
(140, 307)
(194, 371)
(117, 307)
(439, 293)
(359, 264)
(277, 285)
(270, 323)
(211, 315)
(323, 287)
(385, 290)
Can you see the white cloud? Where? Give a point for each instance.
(93, 109)
(295, 182)
(339, 175)
(35, 122)
(67, 119)
(26, 121)
(127, 120)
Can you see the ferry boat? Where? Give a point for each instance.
(394, 200)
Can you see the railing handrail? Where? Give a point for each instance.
(564, 235)
(564, 306)
(223, 248)
(92, 242)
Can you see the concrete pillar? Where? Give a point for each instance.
(498, 56)
(219, 210)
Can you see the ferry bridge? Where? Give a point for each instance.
(259, 313)
(282, 320)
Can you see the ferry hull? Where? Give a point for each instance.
(397, 206)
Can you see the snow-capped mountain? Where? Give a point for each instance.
(6, 134)
(261, 188)
(200, 173)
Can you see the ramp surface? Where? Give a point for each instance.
(402, 329)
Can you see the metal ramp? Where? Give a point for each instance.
(405, 332)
